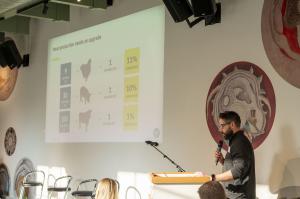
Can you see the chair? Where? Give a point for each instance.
(135, 190)
(30, 181)
(85, 193)
(58, 188)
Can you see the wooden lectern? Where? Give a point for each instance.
(176, 185)
(178, 178)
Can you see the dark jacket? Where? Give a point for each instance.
(240, 160)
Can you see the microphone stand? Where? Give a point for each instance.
(165, 156)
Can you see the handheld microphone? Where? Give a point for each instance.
(151, 143)
(220, 145)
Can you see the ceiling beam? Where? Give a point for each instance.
(50, 10)
(16, 24)
(93, 4)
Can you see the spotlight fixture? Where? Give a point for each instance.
(209, 19)
(10, 55)
(207, 10)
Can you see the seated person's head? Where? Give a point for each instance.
(211, 190)
(107, 189)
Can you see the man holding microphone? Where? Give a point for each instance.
(238, 172)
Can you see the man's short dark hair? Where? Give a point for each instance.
(211, 190)
(231, 116)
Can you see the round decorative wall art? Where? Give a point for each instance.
(246, 89)
(4, 181)
(10, 141)
(8, 78)
(280, 26)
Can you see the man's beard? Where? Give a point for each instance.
(228, 135)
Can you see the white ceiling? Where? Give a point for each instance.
(11, 5)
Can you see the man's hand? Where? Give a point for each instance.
(219, 156)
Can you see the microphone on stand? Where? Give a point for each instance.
(154, 145)
(151, 143)
(220, 145)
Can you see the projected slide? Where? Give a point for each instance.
(105, 83)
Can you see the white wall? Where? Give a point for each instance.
(192, 59)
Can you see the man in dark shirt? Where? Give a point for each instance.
(238, 175)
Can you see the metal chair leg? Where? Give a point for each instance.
(50, 195)
(21, 192)
(42, 191)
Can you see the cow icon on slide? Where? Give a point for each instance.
(86, 69)
(84, 119)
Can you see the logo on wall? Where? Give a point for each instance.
(280, 26)
(244, 88)
(10, 141)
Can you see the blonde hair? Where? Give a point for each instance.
(107, 188)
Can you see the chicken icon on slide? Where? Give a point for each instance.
(86, 69)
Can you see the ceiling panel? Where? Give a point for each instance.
(7, 5)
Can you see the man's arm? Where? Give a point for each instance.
(226, 176)
(236, 172)
(240, 166)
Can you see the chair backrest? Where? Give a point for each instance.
(88, 181)
(33, 175)
(135, 190)
(68, 179)
(31, 179)
(63, 179)
(61, 184)
(50, 176)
